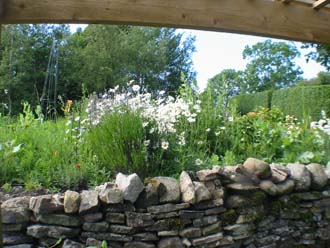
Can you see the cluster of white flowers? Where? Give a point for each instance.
(75, 127)
(165, 111)
(323, 124)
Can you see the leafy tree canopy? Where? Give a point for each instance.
(271, 66)
(323, 78)
(99, 57)
(225, 85)
(320, 55)
(24, 57)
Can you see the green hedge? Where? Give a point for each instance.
(298, 101)
(250, 102)
(303, 101)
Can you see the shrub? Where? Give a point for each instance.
(303, 101)
(271, 136)
(118, 143)
(251, 102)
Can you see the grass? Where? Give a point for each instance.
(158, 138)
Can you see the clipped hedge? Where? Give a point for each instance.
(303, 101)
(299, 101)
(250, 102)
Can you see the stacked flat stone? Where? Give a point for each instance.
(254, 205)
(15, 219)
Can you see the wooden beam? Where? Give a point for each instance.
(287, 1)
(320, 4)
(2, 5)
(294, 21)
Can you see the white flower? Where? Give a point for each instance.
(196, 107)
(198, 162)
(182, 141)
(144, 124)
(152, 130)
(136, 88)
(16, 148)
(323, 114)
(77, 118)
(208, 130)
(164, 145)
(231, 119)
(84, 121)
(217, 133)
(322, 122)
(191, 120)
(146, 142)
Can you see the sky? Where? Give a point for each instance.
(216, 51)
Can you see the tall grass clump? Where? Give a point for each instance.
(35, 152)
(118, 142)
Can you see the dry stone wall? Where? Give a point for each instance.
(250, 205)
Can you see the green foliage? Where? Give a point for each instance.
(303, 101)
(35, 153)
(271, 66)
(323, 78)
(23, 62)
(154, 57)
(271, 136)
(118, 143)
(225, 85)
(321, 54)
(150, 136)
(246, 103)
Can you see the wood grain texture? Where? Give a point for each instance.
(259, 17)
(320, 4)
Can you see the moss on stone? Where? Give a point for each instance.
(258, 198)
(276, 207)
(229, 217)
(307, 217)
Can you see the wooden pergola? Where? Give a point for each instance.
(303, 20)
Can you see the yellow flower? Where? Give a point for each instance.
(68, 106)
(56, 153)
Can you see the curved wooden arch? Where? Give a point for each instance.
(303, 20)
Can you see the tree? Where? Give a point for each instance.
(24, 62)
(271, 66)
(99, 57)
(105, 56)
(225, 85)
(320, 55)
(323, 78)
